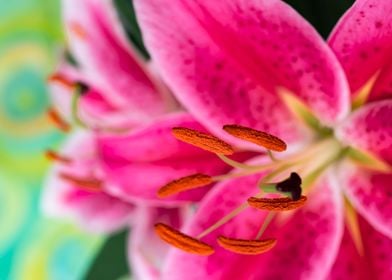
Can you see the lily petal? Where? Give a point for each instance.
(371, 194)
(302, 241)
(362, 41)
(348, 263)
(225, 59)
(378, 251)
(98, 43)
(370, 129)
(139, 163)
(374, 263)
(95, 211)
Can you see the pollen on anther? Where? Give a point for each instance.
(260, 138)
(58, 78)
(52, 155)
(182, 241)
(90, 184)
(202, 140)
(55, 117)
(276, 204)
(245, 246)
(78, 30)
(183, 184)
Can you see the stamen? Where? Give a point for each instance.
(260, 138)
(182, 241)
(246, 247)
(202, 140)
(78, 30)
(276, 204)
(90, 184)
(55, 117)
(184, 183)
(52, 155)
(61, 80)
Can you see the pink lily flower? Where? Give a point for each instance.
(259, 64)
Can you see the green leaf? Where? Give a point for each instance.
(111, 262)
(126, 14)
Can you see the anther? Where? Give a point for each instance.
(182, 241)
(52, 155)
(90, 184)
(291, 185)
(260, 138)
(58, 78)
(202, 140)
(246, 247)
(184, 183)
(276, 204)
(55, 117)
(78, 30)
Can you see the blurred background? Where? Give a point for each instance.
(31, 246)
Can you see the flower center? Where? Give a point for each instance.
(310, 163)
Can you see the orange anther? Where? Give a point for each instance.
(183, 184)
(55, 117)
(90, 184)
(182, 241)
(246, 247)
(202, 140)
(276, 204)
(61, 79)
(52, 155)
(78, 30)
(260, 138)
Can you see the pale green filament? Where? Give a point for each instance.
(75, 106)
(268, 219)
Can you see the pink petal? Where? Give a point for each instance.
(97, 41)
(375, 261)
(95, 211)
(371, 194)
(378, 249)
(224, 61)
(139, 163)
(146, 251)
(348, 263)
(362, 41)
(370, 129)
(307, 243)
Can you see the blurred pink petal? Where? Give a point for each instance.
(97, 211)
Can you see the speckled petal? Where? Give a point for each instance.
(307, 241)
(349, 264)
(371, 194)
(378, 249)
(225, 59)
(100, 47)
(370, 129)
(139, 163)
(362, 41)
